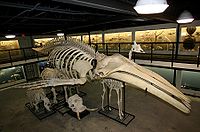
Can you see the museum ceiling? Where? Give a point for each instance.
(75, 16)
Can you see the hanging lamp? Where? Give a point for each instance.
(185, 17)
(60, 34)
(9, 36)
(150, 6)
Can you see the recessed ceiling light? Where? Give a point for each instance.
(10, 36)
(150, 6)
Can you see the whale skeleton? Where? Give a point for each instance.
(77, 62)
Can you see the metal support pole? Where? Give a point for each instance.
(124, 108)
(89, 39)
(179, 76)
(65, 36)
(10, 57)
(81, 38)
(198, 57)
(151, 52)
(24, 54)
(177, 41)
(119, 47)
(108, 102)
(106, 49)
(174, 78)
(172, 61)
(37, 54)
(96, 47)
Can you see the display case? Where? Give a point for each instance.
(9, 48)
(11, 76)
(190, 80)
(121, 37)
(42, 65)
(77, 38)
(41, 41)
(159, 35)
(191, 35)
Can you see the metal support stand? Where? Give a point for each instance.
(82, 114)
(64, 109)
(61, 106)
(41, 113)
(113, 113)
(75, 90)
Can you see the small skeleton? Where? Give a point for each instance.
(135, 48)
(50, 73)
(76, 104)
(36, 96)
(53, 90)
(113, 85)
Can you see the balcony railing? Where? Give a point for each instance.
(154, 51)
(14, 55)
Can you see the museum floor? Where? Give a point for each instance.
(152, 115)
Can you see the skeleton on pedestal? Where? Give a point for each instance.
(113, 85)
(36, 96)
(76, 104)
(135, 48)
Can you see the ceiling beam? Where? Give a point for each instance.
(47, 9)
(107, 5)
(46, 19)
(102, 23)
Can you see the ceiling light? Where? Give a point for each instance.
(60, 34)
(185, 17)
(150, 6)
(10, 36)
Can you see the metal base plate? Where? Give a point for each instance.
(113, 114)
(82, 114)
(61, 107)
(41, 113)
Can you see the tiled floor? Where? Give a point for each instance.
(152, 115)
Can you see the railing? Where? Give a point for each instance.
(154, 51)
(13, 55)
